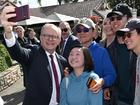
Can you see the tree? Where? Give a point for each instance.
(131, 3)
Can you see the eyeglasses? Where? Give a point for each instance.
(115, 18)
(64, 30)
(50, 37)
(79, 30)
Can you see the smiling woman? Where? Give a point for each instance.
(74, 89)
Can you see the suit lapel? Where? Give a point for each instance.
(46, 63)
(49, 70)
(67, 44)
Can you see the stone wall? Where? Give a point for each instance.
(10, 76)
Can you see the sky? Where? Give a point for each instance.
(33, 3)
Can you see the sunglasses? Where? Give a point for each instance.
(115, 18)
(127, 34)
(79, 30)
(64, 30)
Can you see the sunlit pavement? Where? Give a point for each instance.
(14, 94)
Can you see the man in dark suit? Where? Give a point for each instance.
(68, 40)
(42, 86)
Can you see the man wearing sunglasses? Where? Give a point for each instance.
(131, 35)
(68, 39)
(86, 32)
(123, 59)
(119, 16)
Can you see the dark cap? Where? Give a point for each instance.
(130, 26)
(124, 9)
(112, 13)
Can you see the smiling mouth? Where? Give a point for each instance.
(74, 61)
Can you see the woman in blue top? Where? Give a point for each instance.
(73, 89)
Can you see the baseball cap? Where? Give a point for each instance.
(86, 22)
(112, 13)
(131, 25)
(124, 9)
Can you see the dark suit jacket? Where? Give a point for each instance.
(39, 81)
(71, 42)
(24, 42)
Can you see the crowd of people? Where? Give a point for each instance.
(58, 66)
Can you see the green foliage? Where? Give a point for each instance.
(8, 60)
(131, 3)
(5, 59)
(3, 65)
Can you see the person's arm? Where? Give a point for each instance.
(10, 42)
(16, 51)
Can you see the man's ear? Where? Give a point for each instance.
(94, 33)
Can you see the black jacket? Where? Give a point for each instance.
(112, 49)
(39, 78)
(71, 42)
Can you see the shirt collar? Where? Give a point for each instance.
(50, 54)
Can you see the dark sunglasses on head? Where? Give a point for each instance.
(115, 17)
(79, 30)
(64, 30)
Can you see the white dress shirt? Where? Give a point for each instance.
(53, 100)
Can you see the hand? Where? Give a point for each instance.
(5, 15)
(98, 86)
(106, 94)
(4, 19)
(66, 71)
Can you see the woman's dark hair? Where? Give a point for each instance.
(138, 30)
(89, 65)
